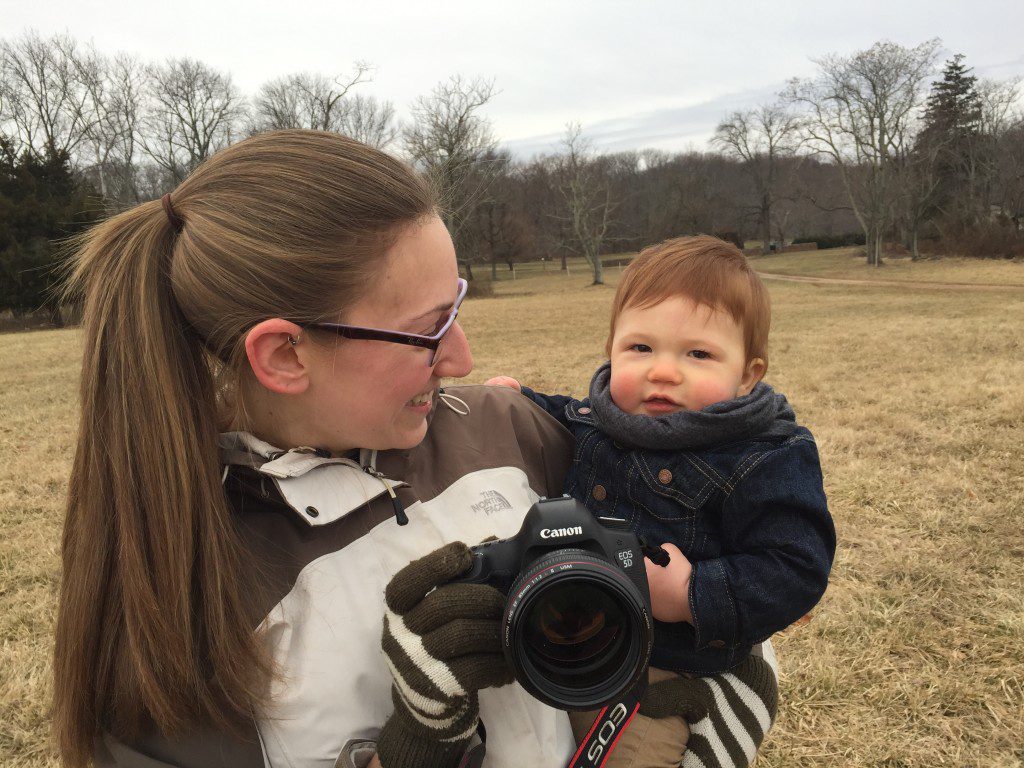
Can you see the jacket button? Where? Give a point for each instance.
(665, 477)
(716, 644)
(599, 493)
(584, 410)
(312, 511)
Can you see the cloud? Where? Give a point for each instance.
(1001, 69)
(672, 128)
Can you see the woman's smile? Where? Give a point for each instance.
(421, 403)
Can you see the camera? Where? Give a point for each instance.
(577, 627)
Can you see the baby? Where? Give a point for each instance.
(681, 437)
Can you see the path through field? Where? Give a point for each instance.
(892, 283)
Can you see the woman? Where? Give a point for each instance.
(263, 353)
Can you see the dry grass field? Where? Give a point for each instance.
(848, 263)
(916, 396)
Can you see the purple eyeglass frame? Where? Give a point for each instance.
(397, 337)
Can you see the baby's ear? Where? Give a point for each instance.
(753, 373)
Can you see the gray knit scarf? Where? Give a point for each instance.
(762, 411)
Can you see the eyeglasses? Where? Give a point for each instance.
(432, 342)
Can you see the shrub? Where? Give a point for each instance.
(994, 241)
(730, 236)
(480, 288)
(833, 241)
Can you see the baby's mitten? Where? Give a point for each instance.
(728, 713)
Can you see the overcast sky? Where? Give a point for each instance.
(640, 74)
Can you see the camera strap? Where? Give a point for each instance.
(609, 725)
(474, 756)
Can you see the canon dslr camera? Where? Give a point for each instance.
(577, 626)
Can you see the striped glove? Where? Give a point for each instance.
(442, 644)
(729, 714)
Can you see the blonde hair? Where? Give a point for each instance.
(155, 624)
(707, 271)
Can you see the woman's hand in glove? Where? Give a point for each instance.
(442, 643)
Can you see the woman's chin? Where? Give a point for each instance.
(411, 436)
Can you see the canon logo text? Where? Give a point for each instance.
(554, 533)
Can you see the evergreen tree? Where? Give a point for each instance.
(40, 203)
(954, 106)
(952, 135)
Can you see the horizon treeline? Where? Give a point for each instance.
(882, 147)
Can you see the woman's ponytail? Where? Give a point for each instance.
(150, 594)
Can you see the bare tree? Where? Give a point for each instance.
(195, 111)
(1000, 105)
(128, 80)
(1009, 185)
(57, 96)
(307, 100)
(451, 142)
(498, 229)
(759, 138)
(917, 180)
(110, 116)
(276, 106)
(323, 104)
(370, 121)
(587, 197)
(43, 97)
(90, 69)
(860, 112)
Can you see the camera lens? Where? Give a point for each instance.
(578, 633)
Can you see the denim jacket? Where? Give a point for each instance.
(750, 515)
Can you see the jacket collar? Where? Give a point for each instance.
(338, 486)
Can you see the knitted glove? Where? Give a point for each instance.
(442, 644)
(728, 713)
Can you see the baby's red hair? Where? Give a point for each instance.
(707, 271)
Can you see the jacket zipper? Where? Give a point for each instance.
(400, 516)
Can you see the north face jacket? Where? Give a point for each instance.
(324, 541)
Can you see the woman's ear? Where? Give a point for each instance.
(753, 373)
(272, 347)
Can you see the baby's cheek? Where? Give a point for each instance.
(625, 392)
(709, 391)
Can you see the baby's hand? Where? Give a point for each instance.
(504, 381)
(670, 586)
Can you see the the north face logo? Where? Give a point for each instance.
(493, 502)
